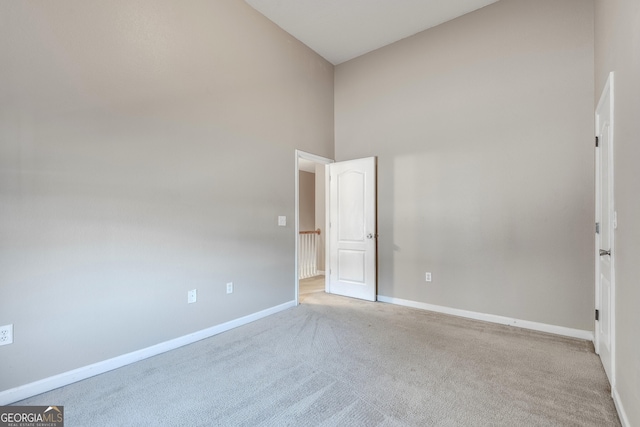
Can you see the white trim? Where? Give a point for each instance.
(313, 157)
(526, 324)
(327, 227)
(317, 159)
(69, 377)
(624, 420)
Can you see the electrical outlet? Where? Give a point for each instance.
(427, 277)
(6, 334)
(192, 296)
(230, 287)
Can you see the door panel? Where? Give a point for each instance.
(351, 266)
(605, 216)
(352, 234)
(350, 187)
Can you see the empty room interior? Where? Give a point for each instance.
(149, 186)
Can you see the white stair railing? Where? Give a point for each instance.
(308, 245)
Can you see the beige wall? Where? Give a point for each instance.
(483, 128)
(307, 201)
(146, 148)
(617, 34)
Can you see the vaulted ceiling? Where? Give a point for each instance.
(340, 30)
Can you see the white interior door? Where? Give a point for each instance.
(606, 224)
(352, 231)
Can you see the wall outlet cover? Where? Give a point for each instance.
(6, 334)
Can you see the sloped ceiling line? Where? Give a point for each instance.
(340, 30)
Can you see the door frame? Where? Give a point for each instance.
(606, 92)
(299, 154)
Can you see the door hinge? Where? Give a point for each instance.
(597, 228)
(597, 314)
(597, 142)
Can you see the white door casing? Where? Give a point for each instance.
(352, 231)
(606, 224)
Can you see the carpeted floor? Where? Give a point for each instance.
(336, 361)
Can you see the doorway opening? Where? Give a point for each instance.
(311, 186)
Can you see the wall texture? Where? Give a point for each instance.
(483, 128)
(146, 148)
(617, 35)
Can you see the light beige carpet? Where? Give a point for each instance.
(336, 361)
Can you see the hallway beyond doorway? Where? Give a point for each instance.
(310, 286)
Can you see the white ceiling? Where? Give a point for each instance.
(340, 30)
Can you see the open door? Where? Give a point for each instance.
(352, 228)
(605, 232)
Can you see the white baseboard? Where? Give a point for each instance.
(526, 324)
(66, 378)
(622, 414)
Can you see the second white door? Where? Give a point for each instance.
(606, 223)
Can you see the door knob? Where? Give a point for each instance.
(371, 236)
(603, 252)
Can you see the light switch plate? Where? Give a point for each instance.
(192, 296)
(282, 221)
